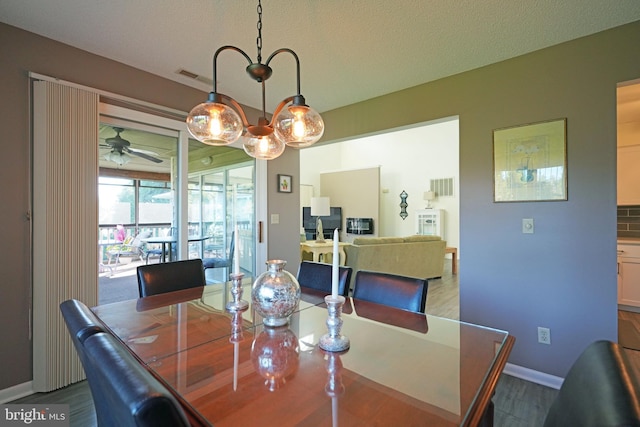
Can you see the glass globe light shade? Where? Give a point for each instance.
(118, 158)
(266, 147)
(213, 123)
(298, 126)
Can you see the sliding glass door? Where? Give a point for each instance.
(241, 207)
(222, 200)
(157, 183)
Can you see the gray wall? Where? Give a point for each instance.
(21, 52)
(284, 237)
(564, 276)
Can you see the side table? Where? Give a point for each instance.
(454, 258)
(318, 250)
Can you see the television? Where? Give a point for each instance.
(329, 222)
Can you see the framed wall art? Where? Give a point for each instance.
(530, 162)
(284, 184)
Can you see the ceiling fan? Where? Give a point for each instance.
(120, 150)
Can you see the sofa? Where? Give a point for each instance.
(413, 256)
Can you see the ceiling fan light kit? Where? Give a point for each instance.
(118, 158)
(221, 120)
(120, 151)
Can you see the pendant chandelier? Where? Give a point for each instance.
(221, 121)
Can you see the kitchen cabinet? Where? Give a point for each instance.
(629, 274)
(629, 175)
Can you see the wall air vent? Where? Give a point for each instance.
(442, 187)
(195, 76)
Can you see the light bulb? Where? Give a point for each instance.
(298, 126)
(214, 123)
(299, 129)
(266, 147)
(215, 127)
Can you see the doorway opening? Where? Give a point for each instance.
(165, 197)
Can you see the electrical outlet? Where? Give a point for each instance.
(544, 335)
(527, 225)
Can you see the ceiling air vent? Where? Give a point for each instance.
(195, 76)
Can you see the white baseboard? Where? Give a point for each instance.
(527, 374)
(16, 392)
(629, 308)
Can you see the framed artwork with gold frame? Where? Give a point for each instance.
(530, 162)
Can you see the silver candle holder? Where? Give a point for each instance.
(334, 340)
(237, 304)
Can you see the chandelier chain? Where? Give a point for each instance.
(259, 26)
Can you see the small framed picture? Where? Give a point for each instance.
(284, 183)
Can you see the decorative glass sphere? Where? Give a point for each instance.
(298, 126)
(263, 147)
(213, 123)
(275, 294)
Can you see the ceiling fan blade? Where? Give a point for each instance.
(143, 155)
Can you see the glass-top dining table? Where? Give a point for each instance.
(228, 369)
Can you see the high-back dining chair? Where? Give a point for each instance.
(600, 389)
(317, 275)
(124, 393)
(80, 320)
(408, 293)
(81, 323)
(129, 394)
(223, 262)
(170, 276)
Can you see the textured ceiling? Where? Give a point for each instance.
(350, 50)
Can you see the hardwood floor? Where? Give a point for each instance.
(77, 396)
(517, 402)
(634, 356)
(442, 295)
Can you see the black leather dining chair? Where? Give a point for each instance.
(170, 276)
(408, 293)
(129, 394)
(222, 262)
(317, 275)
(600, 389)
(124, 393)
(80, 321)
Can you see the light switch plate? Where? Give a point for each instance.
(275, 218)
(527, 225)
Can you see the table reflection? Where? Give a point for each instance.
(237, 336)
(335, 387)
(275, 355)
